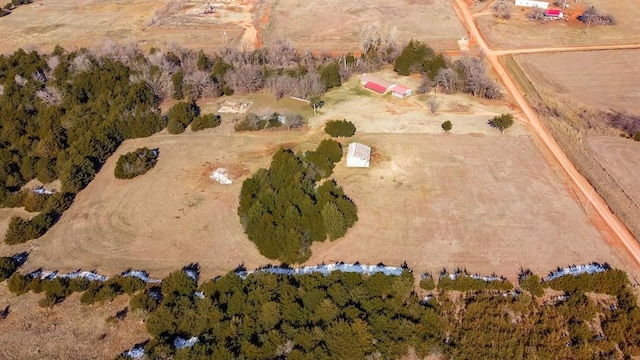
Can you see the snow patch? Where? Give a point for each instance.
(220, 175)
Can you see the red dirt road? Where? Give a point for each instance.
(622, 234)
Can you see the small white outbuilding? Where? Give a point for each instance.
(358, 155)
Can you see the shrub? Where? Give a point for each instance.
(205, 122)
(8, 266)
(180, 116)
(331, 149)
(636, 137)
(143, 301)
(427, 282)
(447, 125)
(337, 128)
(531, 283)
(18, 284)
(502, 122)
(135, 163)
(253, 122)
(611, 282)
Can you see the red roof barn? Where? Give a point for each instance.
(375, 87)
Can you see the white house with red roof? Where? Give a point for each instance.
(401, 91)
(553, 13)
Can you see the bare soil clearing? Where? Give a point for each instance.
(621, 157)
(68, 331)
(92, 23)
(604, 79)
(333, 25)
(520, 32)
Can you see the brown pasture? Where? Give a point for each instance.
(333, 25)
(604, 79)
(471, 198)
(92, 23)
(520, 32)
(621, 158)
(68, 331)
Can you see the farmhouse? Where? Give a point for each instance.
(401, 91)
(532, 3)
(553, 14)
(358, 155)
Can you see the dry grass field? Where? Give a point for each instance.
(519, 32)
(604, 79)
(92, 23)
(69, 331)
(333, 25)
(621, 158)
(471, 198)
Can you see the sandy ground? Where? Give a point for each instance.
(69, 331)
(604, 79)
(92, 23)
(519, 32)
(471, 198)
(333, 25)
(621, 157)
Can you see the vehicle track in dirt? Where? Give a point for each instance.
(622, 235)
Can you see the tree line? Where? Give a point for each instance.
(354, 316)
(467, 74)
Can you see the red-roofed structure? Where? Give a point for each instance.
(553, 13)
(375, 87)
(401, 91)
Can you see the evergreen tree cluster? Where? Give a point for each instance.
(180, 116)
(283, 210)
(56, 290)
(63, 115)
(135, 163)
(8, 265)
(418, 57)
(206, 121)
(467, 74)
(353, 316)
(337, 128)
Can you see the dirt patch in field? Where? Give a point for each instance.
(520, 32)
(333, 25)
(68, 331)
(91, 23)
(604, 79)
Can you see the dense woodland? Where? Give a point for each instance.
(284, 209)
(353, 316)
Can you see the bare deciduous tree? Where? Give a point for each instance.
(434, 105)
(447, 78)
(309, 85)
(50, 96)
(425, 85)
(502, 9)
(245, 79)
(281, 85)
(199, 83)
(281, 54)
(536, 13)
(370, 37)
